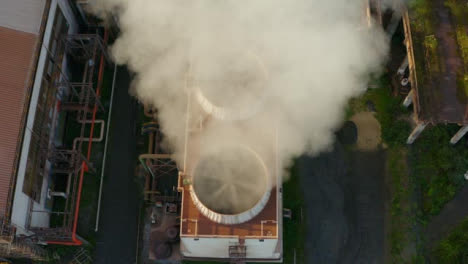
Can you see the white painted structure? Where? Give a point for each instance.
(218, 248)
(21, 201)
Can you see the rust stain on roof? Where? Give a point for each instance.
(264, 225)
(16, 53)
(439, 66)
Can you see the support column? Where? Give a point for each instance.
(403, 66)
(409, 99)
(416, 132)
(454, 140)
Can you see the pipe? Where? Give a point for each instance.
(75, 241)
(101, 135)
(99, 139)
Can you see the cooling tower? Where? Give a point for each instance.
(241, 97)
(230, 182)
(231, 188)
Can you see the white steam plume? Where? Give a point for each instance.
(317, 54)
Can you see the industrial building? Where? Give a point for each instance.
(436, 65)
(50, 78)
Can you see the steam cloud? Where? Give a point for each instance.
(299, 61)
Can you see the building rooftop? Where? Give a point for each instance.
(17, 50)
(439, 34)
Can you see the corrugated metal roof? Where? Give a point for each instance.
(23, 15)
(16, 53)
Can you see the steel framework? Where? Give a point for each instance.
(156, 164)
(77, 98)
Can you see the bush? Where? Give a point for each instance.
(390, 113)
(453, 249)
(438, 167)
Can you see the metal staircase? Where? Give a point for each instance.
(81, 257)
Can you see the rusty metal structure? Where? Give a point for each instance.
(79, 98)
(156, 164)
(434, 71)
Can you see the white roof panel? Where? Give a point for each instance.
(22, 15)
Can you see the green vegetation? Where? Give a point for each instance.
(389, 111)
(421, 14)
(423, 177)
(459, 10)
(395, 129)
(426, 57)
(431, 54)
(438, 168)
(400, 205)
(453, 249)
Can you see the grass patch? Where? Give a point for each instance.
(453, 249)
(438, 167)
(462, 39)
(423, 176)
(400, 203)
(422, 16)
(459, 10)
(431, 54)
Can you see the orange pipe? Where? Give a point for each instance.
(84, 167)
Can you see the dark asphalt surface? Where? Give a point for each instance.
(344, 196)
(116, 239)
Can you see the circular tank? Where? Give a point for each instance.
(230, 186)
(235, 93)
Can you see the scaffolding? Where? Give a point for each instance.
(77, 99)
(157, 164)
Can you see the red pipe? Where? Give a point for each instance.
(75, 241)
